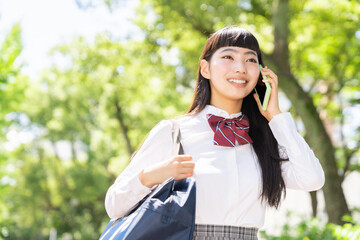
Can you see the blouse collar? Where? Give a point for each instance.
(210, 109)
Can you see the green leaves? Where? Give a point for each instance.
(10, 49)
(317, 229)
(12, 84)
(87, 118)
(88, 112)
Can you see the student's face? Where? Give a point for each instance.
(233, 73)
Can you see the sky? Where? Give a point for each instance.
(48, 23)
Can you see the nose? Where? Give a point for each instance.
(239, 67)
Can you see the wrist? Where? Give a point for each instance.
(272, 115)
(145, 178)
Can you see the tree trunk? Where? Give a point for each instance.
(74, 156)
(317, 136)
(124, 128)
(313, 203)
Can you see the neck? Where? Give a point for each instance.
(229, 106)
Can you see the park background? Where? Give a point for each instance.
(83, 81)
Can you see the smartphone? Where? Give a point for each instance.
(262, 91)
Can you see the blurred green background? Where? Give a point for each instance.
(67, 133)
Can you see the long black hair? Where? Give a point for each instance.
(264, 142)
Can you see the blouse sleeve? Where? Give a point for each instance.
(303, 171)
(127, 190)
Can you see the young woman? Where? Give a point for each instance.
(241, 156)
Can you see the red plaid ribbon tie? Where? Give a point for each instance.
(228, 131)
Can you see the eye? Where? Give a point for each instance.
(227, 57)
(252, 60)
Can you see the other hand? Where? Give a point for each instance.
(179, 167)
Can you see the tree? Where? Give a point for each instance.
(87, 117)
(12, 86)
(274, 21)
(12, 83)
(100, 107)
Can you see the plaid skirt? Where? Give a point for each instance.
(217, 232)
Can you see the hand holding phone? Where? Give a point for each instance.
(262, 91)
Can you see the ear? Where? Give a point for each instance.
(204, 69)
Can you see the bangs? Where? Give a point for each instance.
(232, 37)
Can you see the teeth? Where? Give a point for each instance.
(237, 81)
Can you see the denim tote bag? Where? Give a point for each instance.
(167, 213)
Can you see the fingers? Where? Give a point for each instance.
(183, 176)
(184, 166)
(184, 169)
(182, 158)
(271, 77)
(267, 72)
(184, 173)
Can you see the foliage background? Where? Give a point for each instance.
(84, 119)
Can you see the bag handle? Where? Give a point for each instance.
(176, 135)
(178, 147)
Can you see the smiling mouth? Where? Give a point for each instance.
(237, 81)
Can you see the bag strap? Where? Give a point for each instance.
(176, 135)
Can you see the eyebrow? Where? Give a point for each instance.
(233, 50)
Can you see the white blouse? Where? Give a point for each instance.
(228, 179)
